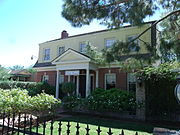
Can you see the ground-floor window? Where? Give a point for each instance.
(45, 78)
(131, 82)
(110, 81)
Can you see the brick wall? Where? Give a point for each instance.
(121, 77)
(51, 74)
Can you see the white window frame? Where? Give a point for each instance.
(82, 47)
(59, 53)
(106, 78)
(128, 81)
(111, 42)
(136, 42)
(45, 56)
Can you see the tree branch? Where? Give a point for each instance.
(174, 12)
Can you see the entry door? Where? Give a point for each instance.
(82, 85)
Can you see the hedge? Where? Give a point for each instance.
(33, 88)
(113, 100)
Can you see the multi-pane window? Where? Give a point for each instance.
(83, 47)
(134, 46)
(61, 50)
(131, 82)
(47, 54)
(109, 42)
(110, 81)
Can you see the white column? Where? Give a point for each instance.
(77, 86)
(97, 78)
(57, 84)
(87, 82)
(68, 78)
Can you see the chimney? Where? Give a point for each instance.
(64, 34)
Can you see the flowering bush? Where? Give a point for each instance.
(16, 100)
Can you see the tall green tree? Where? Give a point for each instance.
(170, 38)
(116, 13)
(113, 13)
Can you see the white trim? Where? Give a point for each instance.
(73, 66)
(87, 82)
(57, 84)
(45, 68)
(69, 51)
(105, 78)
(97, 78)
(66, 62)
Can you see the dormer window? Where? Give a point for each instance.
(61, 50)
(47, 54)
(109, 42)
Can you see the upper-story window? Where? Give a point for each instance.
(83, 47)
(134, 46)
(109, 42)
(47, 54)
(61, 50)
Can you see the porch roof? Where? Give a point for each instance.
(72, 59)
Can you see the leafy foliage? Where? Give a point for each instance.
(160, 83)
(163, 71)
(68, 88)
(32, 87)
(113, 100)
(170, 38)
(115, 13)
(111, 13)
(4, 75)
(17, 100)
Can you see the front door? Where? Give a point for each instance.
(82, 85)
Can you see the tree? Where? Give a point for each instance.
(115, 13)
(4, 75)
(170, 38)
(16, 67)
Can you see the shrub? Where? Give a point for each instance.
(44, 103)
(33, 88)
(72, 103)
(17, 100)
(14, 100)
(68, 88)
(113, 100)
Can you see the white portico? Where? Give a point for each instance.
(80, 67)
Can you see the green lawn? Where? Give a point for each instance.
(129, 128)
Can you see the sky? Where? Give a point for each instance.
(26, 23)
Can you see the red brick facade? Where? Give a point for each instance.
(51, 74)
(121, 77)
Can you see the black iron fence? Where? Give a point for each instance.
(28, 124)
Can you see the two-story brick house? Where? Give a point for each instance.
(64, 59)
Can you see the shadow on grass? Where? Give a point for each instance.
(111, 123)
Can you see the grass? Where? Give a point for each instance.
(129, 128)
